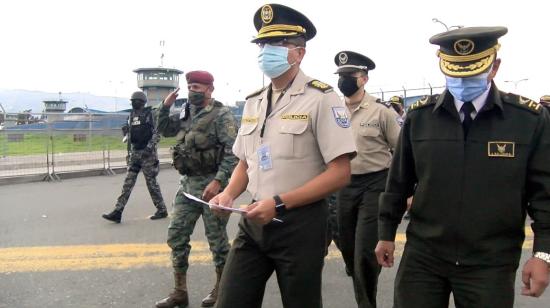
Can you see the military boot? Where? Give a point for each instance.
(178, 297)
(159, 214)
(211, 298)
(114, 216)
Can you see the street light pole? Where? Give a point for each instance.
(445, 25)
(439, 21)
(515, 82)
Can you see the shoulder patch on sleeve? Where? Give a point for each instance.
(423, 101)
(321, 86)
(524, 102)
(255, 93)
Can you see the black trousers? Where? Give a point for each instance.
(358, 226)
(294, 249)
(425, 281)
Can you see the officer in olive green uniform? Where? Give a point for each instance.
(294, 147)
(479, 159)
(397, 103)
(205, 131)
(375, 132)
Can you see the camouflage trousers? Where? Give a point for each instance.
(183, 219)
(149, 164)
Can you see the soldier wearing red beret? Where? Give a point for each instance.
(205, 132)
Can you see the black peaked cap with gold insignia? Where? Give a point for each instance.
(469, 51)
(276, 21)
(349, 62)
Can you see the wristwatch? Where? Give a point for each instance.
(543, 256)
(280, 206)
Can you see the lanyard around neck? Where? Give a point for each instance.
(269, 105)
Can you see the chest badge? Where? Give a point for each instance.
(501, 149)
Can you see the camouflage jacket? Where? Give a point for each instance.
(221, 133)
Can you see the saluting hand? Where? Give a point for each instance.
(535, 276)
(223, 199)
(171, 98)
(262, 211)
(384, 253)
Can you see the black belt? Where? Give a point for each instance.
(364, 175)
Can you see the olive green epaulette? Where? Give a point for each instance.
(256, 93)
(387, 104)
(424, 101)
(523, 102)
(321, 86)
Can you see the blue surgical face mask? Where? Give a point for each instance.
(467, 89)
(273, 60)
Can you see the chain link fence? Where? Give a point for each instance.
(49, 144)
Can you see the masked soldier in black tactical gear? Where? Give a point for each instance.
(142, 139)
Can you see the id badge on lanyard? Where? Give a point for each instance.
(264, 157)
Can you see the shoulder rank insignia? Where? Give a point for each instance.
(323, 87)
(423, 101)
(523, 102)
(255, 93)
(530, 104)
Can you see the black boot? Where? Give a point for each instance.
(114, 216)
(159, 214)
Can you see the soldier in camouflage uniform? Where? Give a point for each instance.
(205, 131)
(142, 139)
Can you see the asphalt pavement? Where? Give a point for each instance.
(57, 251)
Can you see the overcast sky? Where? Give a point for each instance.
(93, 46)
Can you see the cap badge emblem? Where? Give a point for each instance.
(464, 47)
(267, 14)
(343, 57)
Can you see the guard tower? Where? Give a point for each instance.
(58, 106)
(157, 82)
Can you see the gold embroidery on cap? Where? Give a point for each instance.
(267, 14)
(501, 149)
(464, 47)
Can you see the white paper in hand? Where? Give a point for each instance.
(236, 210)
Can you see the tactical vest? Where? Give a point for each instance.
(141, 128)
(197, 151)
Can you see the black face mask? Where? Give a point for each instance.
(137, 104)
(195, 98)
(347, 85)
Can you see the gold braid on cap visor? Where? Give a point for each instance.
(280, 30)
(450, 66)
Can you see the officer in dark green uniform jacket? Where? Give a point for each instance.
(479, 159)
